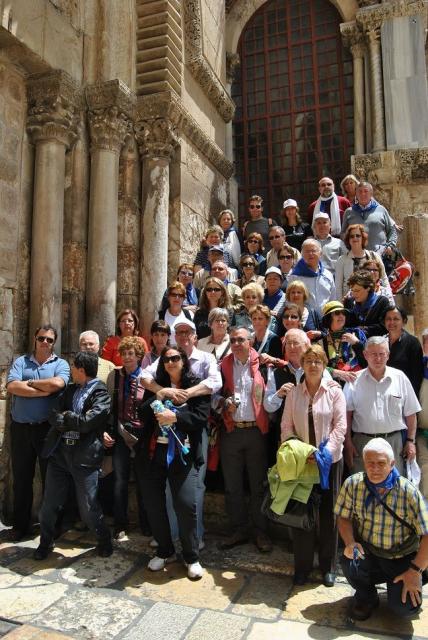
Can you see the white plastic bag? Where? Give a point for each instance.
(413, 472)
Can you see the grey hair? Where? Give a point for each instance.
(280, 229)
(232, 215)
(379, 445)
(312, 241)
(217, 313)
(377, 340)
(299, 333)
(90, 334)
(365, 185)
(234, 329)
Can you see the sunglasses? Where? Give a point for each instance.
(211, 289)
(247, 264)
(186, 273)
(45, 339)
(176, 295)
(285, 257)
(237, 340)
(339, 313)
(167, 359)
(255, 206)
(253, 241)
(354, 235)
(274, 237)
(291, 317)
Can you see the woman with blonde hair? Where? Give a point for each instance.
(231, 242)
(252, 294)
(349, 186)
(214, 294)
(297, 293)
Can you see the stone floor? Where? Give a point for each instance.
(243, 594)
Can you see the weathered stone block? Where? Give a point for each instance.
(6, 308)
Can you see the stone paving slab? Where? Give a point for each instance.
(212, 625)
(263, 596)
(24, 597)
(301, 631)
(28, 632)
(163, 621)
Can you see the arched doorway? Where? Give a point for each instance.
(293, 92)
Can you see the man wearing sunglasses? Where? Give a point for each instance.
(34, 382)
(276, 239)
(257, 223)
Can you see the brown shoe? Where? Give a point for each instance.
(234, 540)
(362, 610)
(263, 543)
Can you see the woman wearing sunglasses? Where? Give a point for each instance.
(185, 277)
(287, 258)
(253, 246)
(175, 312)
(171, 450)
(248, 267)
(213, 295)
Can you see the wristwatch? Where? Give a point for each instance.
(410, 440)
(30, 383)
(416, 568)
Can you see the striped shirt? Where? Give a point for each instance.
(373, 523)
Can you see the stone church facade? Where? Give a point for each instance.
(116, 149)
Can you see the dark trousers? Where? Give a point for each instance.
(373, 570)
(60, 470)
(304, 541)
(183, 480)
(27, 442)
(122, 462)
(244, 450)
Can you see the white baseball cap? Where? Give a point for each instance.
(289, 203)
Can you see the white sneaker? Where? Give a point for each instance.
(157, 564)
(201, 544)
(153, 544)
(194, 571)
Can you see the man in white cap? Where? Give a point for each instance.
(330, 203)
(331, 248)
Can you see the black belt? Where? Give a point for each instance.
(379, 435)
(70, 441)
(245, 425)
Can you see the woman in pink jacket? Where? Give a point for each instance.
(315, 412)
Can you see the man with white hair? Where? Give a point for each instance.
(331, 248)
(380, 402)
(89, 341)
(312, 272)
(330, 203)
(383, 521)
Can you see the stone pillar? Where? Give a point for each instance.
(157, 138)
(110, 106)
(376, 93)
(52, 128)
(358, 50)
(417, 232)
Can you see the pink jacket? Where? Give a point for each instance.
(329, 413)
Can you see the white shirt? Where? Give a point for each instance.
(321, 288)
(380, 406)
(243, 385)
(271, 401)
(172, 321)
(203, 365)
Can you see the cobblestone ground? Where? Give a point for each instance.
(243, 594)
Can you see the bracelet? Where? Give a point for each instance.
(416, 568)
(410, 440)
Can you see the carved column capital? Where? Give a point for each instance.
(353, 38)
(53, 107)
(233, 61)
(156, 138)
(111, 107)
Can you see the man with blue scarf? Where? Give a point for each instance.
(383, 521)
(311, 271)
(381, 228)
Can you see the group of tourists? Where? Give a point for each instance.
(279, 354)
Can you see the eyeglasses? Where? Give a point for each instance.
(247, 264)
(167, 359)
(252, 241)
(45, 339)
(339, 312)
(255, 206)
(237, 340)
(355, 235)
(173, 294)
(186, 273)
(285, 257)
(274, 237)
(211, 289)
(316, 363)
(126, 321)
(291, 317)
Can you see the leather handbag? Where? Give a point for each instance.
(297, 515)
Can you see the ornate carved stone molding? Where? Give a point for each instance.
(353, 38)
(167, 105)
(53, 107)
(404, 166)
(413, 165)
(371, 17)
(111, 106)
(363, 165)
(199, 66)
(232, 63)
(156, 137)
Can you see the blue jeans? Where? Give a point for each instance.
(60, 470)
(122, 467)
(200, 493)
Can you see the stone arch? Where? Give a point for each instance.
(242, 10)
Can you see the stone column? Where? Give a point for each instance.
(52, 128)
(357, 50)
(417, 232)
(157, 138)
(376, 90)
(110, 106)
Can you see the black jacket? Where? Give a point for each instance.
(88, 451)
(372, 324)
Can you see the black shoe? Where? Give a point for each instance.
(328, 579)
(41, 553)
(359, 610)
(233, 541)
(300, 578)
(105, 550)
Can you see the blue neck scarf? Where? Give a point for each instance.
(369, 207)
(227, 232)
(191, 296)
(325, 205)
(272, 301)
(302, 269)
(361, 310)
(128, 380)
(388, 483)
